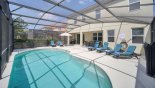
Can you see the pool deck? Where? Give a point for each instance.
(122, 72)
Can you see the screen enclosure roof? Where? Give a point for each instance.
(71, 14)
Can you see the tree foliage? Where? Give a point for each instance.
(19, 26)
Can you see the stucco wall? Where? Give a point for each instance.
(145, 10)
(125, 28)
(88, 36)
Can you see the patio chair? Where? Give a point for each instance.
(59, 43)
(52, 44)
(96, 45)
(128, 53)
(103, 48)
(116, 49)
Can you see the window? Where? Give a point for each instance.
(97, 36)
(134, 5)
(111, 35)
(94, 36)
(83, 18)
(137, 35)
(75, 21)
(98, 13)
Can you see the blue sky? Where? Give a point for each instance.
(74, 4)
(40, 4)
(154, 8)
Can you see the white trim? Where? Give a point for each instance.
(137, 35)
(133, 3)
(75, 21)
(98, 13)
(83, 18)
(97, 35)
(111, 36)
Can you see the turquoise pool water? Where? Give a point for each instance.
(55, 69)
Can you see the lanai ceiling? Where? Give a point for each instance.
(62, 13)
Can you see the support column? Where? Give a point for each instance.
(118, 33)
(103, 36)
(68, 40)
(81, 39)
(0, 41)
(153, 31)
(102, 33)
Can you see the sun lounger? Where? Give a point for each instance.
(59, 43)
(96, 45)
(103, 48)
(116, 49)
(52, 44)
(128, 53)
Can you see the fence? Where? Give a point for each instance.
(37, 38)
(31, 44)
(6, 34)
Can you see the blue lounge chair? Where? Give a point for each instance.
(52, 44)
(103, 48)
(59, 43)
(128, 53)
(116, 49)
(96, 45)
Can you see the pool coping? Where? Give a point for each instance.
(112, 77)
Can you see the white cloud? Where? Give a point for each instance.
(47, 16)
(85, 1)
(82, 2)
(68, 1)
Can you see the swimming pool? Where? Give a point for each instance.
(48, 68)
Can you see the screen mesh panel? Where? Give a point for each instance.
(65, 14)
(6, 34)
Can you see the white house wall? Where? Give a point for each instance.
(95, 27)
(126, 28)
(146, 11)
(110, 26)
(124, 11)
(88, 36)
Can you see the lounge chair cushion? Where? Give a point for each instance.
(116, 49)
(60, 43)
(104, 47)
(95, 46)
(52, 44)
(129, 52)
